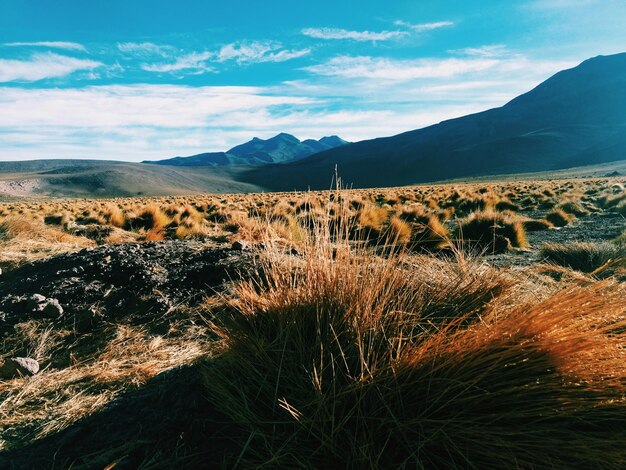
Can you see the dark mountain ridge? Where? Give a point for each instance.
(278, 149)
(576, 117)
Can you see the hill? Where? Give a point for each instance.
(278, 149)
(575, 118)
(88, 178)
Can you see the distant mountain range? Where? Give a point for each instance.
(281, 148)
(575, 118)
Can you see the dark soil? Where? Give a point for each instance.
(110, 282)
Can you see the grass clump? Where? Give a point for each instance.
(493, 232)
(345, 360)
(559, 218)
(534, 225)
(586, 257)
(150, 218)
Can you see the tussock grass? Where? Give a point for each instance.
(585, 256)
(347, 360)
(492, 232)
(559, 218)
(150, 218)
(533, 225)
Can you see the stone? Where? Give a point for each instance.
(18, 367)
(35, 302)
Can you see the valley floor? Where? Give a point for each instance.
(302, 330)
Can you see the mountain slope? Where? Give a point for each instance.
(278, 149)
(577, 117)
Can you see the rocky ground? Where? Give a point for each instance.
(85, 299)
(104, 283)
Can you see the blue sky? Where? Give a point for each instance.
(138, 79)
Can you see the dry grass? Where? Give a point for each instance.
(599, 258)
(492, 232)
(430, 212)
(346, 360)
(59, 396)
(559, 218)
(339, 357)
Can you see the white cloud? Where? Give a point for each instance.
(136, 122)
(165, 106)
(422, 27)
(40, 66)
(73, 46)
(493, 50)
(196, 62)
(336, 33)
(258, 52)
(145, 49)
(357, 98)
(398, 70)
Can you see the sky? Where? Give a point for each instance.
(149, 79)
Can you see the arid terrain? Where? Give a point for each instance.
(300, 329)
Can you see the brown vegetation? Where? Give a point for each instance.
(372, 333)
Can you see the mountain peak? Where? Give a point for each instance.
(332, 141)
(574, 118)
(281, 148)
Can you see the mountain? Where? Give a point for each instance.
(575, 118)
(279, 149)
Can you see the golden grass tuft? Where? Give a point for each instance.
(149, 218)
(587, 257)
(347, 360)
(559, 218)
(492, 232)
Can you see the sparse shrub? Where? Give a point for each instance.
(573, 207)
(55, 219)
(370, 222)
(506, 205)
(586, 257)
(559, 218)
(431, 234)
(398, 231)
(612, 200)
(150, 218)
(534, 225)
(493, 232)
(114, 216)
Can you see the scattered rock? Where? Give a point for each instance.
(36, 303)
(18, 367)
(39, 303)
(120, 281)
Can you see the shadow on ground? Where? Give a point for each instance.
(167, 423)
